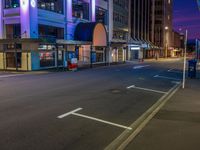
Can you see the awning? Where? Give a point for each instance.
(91, 32)
(72, 42)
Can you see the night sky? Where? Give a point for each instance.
(187, 16)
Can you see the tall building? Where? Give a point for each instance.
(163, 26)
(38, 34)
(141, 28)
(151, 28)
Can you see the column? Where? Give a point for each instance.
(93, 10)
(29, 18)
(69, 29)
(1, 20)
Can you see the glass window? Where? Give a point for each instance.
(11, 3)
(80, 9)
(50, 5)
(101, 15)
(47, 59)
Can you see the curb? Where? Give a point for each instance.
(122, 141)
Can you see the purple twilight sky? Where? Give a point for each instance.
(187, 16)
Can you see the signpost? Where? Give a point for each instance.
(184, 66)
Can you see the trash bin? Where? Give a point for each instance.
(192, 65)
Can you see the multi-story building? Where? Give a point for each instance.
(151, 28)
(119, 27)
(38, 34)
(163, 26)
(140, 28)
(177, 44)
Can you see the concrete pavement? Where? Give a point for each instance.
(177, 124)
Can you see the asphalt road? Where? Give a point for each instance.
(31, 104)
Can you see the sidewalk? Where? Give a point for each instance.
(176, 126)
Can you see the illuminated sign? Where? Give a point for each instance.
(33, 3)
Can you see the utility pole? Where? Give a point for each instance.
(184, 66)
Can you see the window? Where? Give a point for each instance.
(50, 5)
(12, 3)
(101, 15)
(80, 9)
(51, 32)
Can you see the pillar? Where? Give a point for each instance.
(29, 18)
(1, 20)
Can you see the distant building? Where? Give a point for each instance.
(177, 44)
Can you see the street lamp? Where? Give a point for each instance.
(166, 41)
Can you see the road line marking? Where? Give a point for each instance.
(139, 67)
(164, 77)
(100, 120)
(145, 89)
(69, 113)
(176, 82)
(121, 142)
(7, 76)
(172, 70)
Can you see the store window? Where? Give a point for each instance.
(47, 59)
(12, 3)
(80, 9)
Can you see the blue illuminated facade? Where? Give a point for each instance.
(40, 34)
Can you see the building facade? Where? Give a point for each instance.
(119, 29)
(40, 34)
(163, 26)
(140, 29)
(151, 29)
(178, 45)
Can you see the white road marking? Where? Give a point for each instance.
(69, 113)
(164, 77)
(175, 71)
(145, 89)
(100, 120)
(7, 76)
(176, 82)
(139, 67)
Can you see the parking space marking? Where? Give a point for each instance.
(69, 113)
(164, 77)
(7, 76)
(174, 71)
(140, 66)
(74, 112)
(100, 120)
(145, 89)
